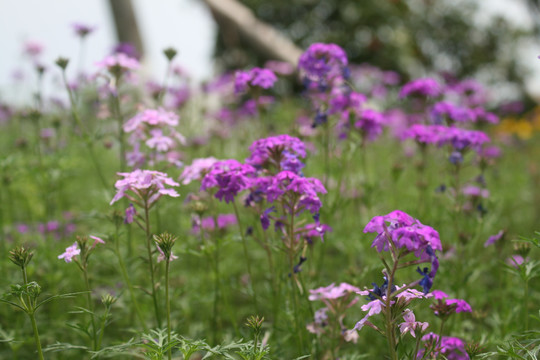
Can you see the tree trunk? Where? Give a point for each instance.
(231, 14)
(125, 23)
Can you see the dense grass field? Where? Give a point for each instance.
(118, 241)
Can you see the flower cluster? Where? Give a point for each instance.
(460, 139)
(197, 169)
(337, 300)
(209, 223)
(147, 186)
(424, 87)
(256, 77)
(322, 63)
(282, 151)
(156, 128)
(452, 348)
(230, 177)
(118, 63)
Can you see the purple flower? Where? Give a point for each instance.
(475, 191)
(494, 238)
(453, 112)
(70, 253)
(451, 347)
(256, 77)
(130, 213)
(322, 63)
(461, 305)
(197, 169)
(230, 177)
(306, 189)
(276, 149)
(426, 87)
(208, 223)
(370, 123)
(404, 231)
(146, 185)
(127, 49)
(82, 30)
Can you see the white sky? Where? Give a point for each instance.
(183, 24)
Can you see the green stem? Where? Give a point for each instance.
(102, 328)
(390, 328)
(294, 281)
(84, 133)
(128, 283)
(246, 256)
(90, 307)
(151, 261)
(168, 307)
(120, 123)
(526, 306)
(36, 334)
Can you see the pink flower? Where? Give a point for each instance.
(332, 292)
(410, 324)
(151, 117)
(70, 252)
(120, 60)
(97, 240)
(159, 141)
(197, 169)
(147, 185)
(161, 256)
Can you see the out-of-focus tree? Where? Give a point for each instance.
(413, 37)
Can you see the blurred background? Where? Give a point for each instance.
(494, 41)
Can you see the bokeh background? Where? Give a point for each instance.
(495, 41)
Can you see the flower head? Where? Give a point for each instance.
(146, 185)
(410, 325)
(256, 77)
(280, 150)
(322, 63)
(427, 87)
(230, 177)
(70, 253)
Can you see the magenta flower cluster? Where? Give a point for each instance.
(424, 87)
(254, 78)
(323, 62)
(230, 177)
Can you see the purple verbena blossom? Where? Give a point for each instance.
(494, 238)
(451, 347)
(275, 149)
(370, 123)
(322, 63)
(230, 177)
(256, 77)
(426, 87)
